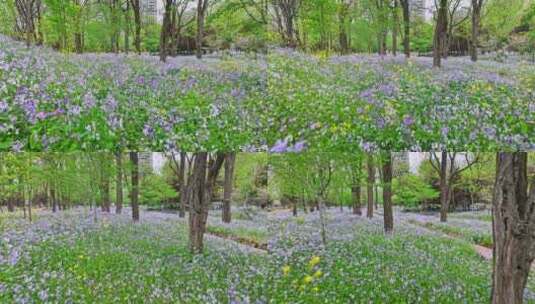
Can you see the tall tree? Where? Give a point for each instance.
(369, 185)
(136, 8)
(230, 159)
(356, 171)
(202, 7)
(395, 27)
(406, 27)
(285, 16)
(119, 183)
(167, 30)
(387, 193)
(476, 20)
(134, 193)
(205, 171)
(441, 30)
(513, 228)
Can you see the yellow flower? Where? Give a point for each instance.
(314, 261)
(308, 279)
(286, 270)
(318, 274)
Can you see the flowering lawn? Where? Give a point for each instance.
(69, 257)
(285, 100)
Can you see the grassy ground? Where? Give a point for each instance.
(114, 261)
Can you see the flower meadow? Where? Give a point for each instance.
(82, 256)
(284, 101)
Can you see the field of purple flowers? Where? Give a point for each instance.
(58, 102)
(82, 256)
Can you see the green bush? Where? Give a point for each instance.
(156, 191)
(410, 190)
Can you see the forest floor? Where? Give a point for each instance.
(71, 257)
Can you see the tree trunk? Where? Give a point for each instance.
(127, 28)
(201, 10)
(201, 185)
(54, 198)
(344, 46)
(441, 29)
(183, 186)
(294, 206)
(476, 20)
(407, 28)
(119, 183)
(369, 186)
(355, 194)
(321, 207)
(513, 228)
(387, 194)
(10, 205)
(105, 188)
(137, 20)
(165, 34)
(395, 29)
(444, 187)
(134, 194)
(230, 159)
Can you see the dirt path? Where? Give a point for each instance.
(243, 246)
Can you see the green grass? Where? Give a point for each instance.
(482, 239)
(151, 263)
(247, 234)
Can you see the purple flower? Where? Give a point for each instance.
(408, 121)
(368, 96)
(43, 295)
(298, 147)
(3, 106)
(14, 257)
(445, 131)
(148, 131)
(387, 89)
(17, 146)
(41, 115)
(280, 146)
(89, 101)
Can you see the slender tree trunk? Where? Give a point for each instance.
(105, 187)
(165, 34)
(513, 228)
(407, 28)
(441, 29)
(127, 28)
(230, 159)
(10, 205)
(355, 194)
(444, 187)
(201, 11)
(343, 40)
(119, 183)
(369, 185)
(321, 206)
(183, 186)
(388, 212)
(198, 183)
(134, 194)
(395, 28)
(137, 20)
(476, 20)
(294, 206)
(54, 198)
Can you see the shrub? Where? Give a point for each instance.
(410, 190)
